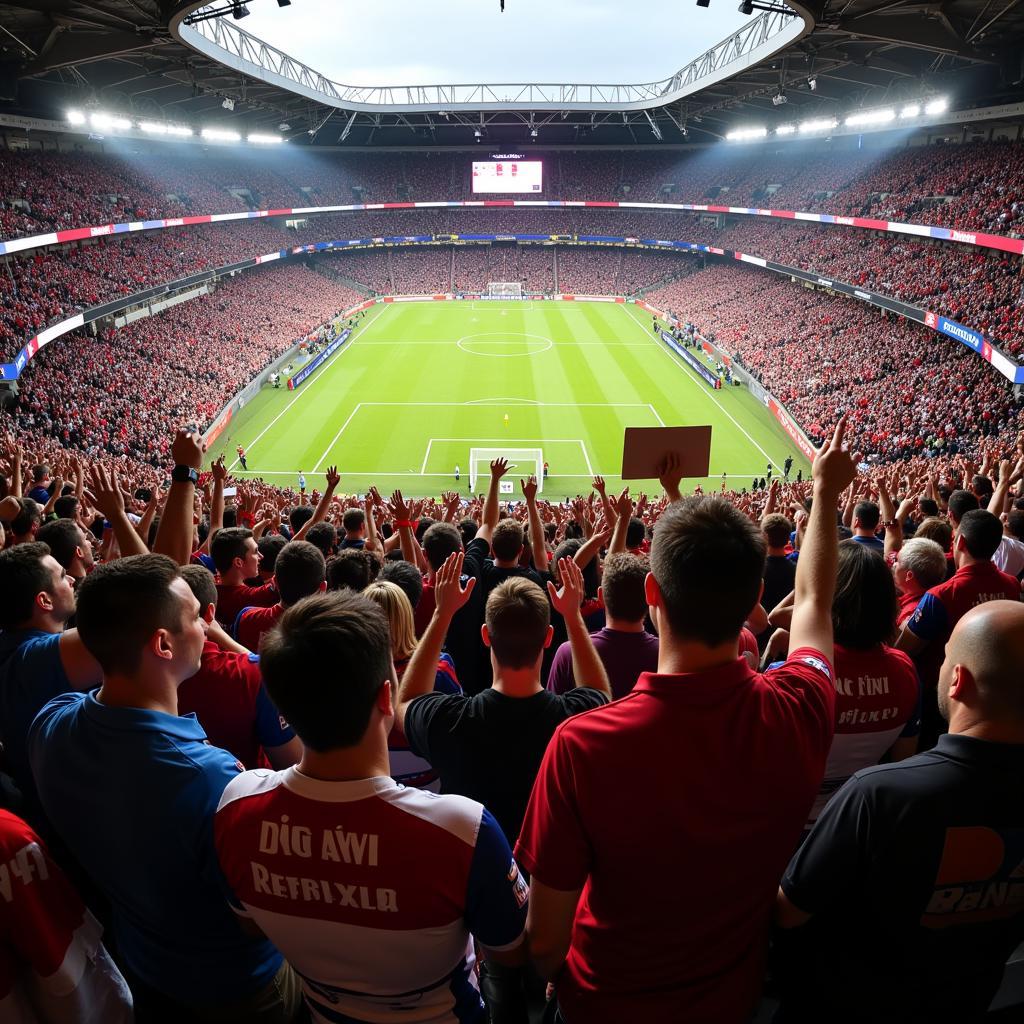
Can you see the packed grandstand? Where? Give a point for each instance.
(577, 742)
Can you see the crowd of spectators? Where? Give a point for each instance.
(910, 391)
(977, 186)
(434, 700)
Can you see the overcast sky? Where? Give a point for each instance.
(405, 42)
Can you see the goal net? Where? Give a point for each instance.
(504, 289)
(522, 462)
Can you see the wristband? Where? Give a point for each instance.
(407, 523)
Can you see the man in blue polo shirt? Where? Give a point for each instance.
(39, 658)
(905, 901)
(132, 788)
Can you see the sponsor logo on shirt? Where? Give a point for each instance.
(818, 664)
(520, 889)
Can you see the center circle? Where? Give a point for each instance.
(505, 344)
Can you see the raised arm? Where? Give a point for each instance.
(105, 494)
(538, 549)
(220, 475)
(606, 504)
(449, 596)
(670, 477)
(833, 469)
(587, 667)
(323, 505)
(174, 535)
(623, 506)
(499, 467)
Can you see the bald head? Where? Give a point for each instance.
(983, 663)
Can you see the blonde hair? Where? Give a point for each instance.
(392, 600)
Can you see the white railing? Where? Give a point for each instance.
(222, 40)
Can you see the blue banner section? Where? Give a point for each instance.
(8, 371)
(965, 335)
(688, 357)
(296, 379)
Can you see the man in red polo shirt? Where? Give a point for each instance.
(237, 558)
(652, 902)
(300, 570)
(228, 697)
(975, 581)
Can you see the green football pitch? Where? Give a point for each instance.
(420, 383)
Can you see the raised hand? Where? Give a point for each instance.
(670, 474)
(219, 470)
(835, 468)
(397, 507)
(623, 504)
(105, 493)
(499, 467)
(567, 600)
(529, 486)
(187, 449)
(598, 485)
(449, 593)
(333, 477)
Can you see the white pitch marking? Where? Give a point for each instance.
(661, 347)
(317, 374)
(586, 457)
(661, 422)
(337, 435)
(426, 455)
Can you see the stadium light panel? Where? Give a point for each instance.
(107, 122)
(936, 106)
(257, 137)
(76, 117)
(220, 135)
(870, 117)
(745, 134)
(911, 110)
(785, 129)
(153, 127)
(822, 124)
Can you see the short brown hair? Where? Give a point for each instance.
(622, 586)
(517, 617)
(777, 528)
(121, 604)
(440, 541)
(324, 664)
(708, 560)
(936, 529)
(507, 540)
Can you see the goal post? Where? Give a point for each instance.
(504, 289)
(522, 462)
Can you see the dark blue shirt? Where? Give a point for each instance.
(913, 875)
(133, 794)
(31, 674)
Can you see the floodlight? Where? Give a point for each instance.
(76, 117)
(107, 122)
(239, 11)
(220, 135)
(936, 106)
(911, 110)
(779, 98)
(812, 84)
(785, 129)
(533, 133)
(822, 124)
(257, 137)
(228, 104)
(744, 134)
(869, 117)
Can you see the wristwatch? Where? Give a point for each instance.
(185, 474)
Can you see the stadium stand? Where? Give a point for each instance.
(129, 562)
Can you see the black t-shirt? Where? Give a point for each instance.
(489, 747)
(914, 875)
(472, 658)
(779, 577)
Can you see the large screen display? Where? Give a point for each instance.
(491, 176)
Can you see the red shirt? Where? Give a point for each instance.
(233, 597)
(908, 603)
(252, 623)
(228, 698)
(680, 855)
(878, 700)
(424, 610)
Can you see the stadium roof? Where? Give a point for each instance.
(131, 56)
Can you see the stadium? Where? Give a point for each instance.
(459, 463)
